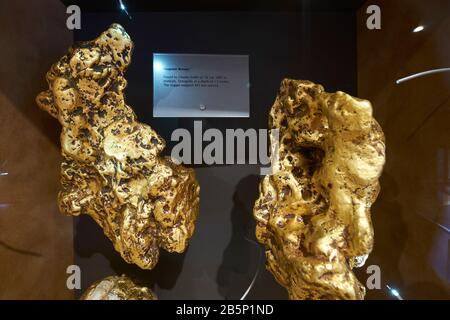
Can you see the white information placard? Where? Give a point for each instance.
(200, 85)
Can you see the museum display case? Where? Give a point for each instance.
(260, 150)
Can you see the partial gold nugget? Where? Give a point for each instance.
(112, 169)
(117, 288)
(313, 213)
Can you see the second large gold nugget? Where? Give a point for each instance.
(111, 167)
(313, 213)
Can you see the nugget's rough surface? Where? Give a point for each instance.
(111, 167)
(117, 288)
(313, 213)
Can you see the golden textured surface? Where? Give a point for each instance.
(117, 288)
(111, 167)
(313, 213)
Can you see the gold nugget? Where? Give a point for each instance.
(117, 288)
(112, 169)
(313, 213)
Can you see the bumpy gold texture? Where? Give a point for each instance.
(117, 288)
(313, 213)
(111, 167)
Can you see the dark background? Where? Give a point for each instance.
(306, 41)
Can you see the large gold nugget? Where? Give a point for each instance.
(111, 167)
(313, 213)
(117, 288)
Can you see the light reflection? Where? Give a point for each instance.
(421, 74)
(158, 66)
(123, 7)
(4, 205)
(394, 292)
(418, 29)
